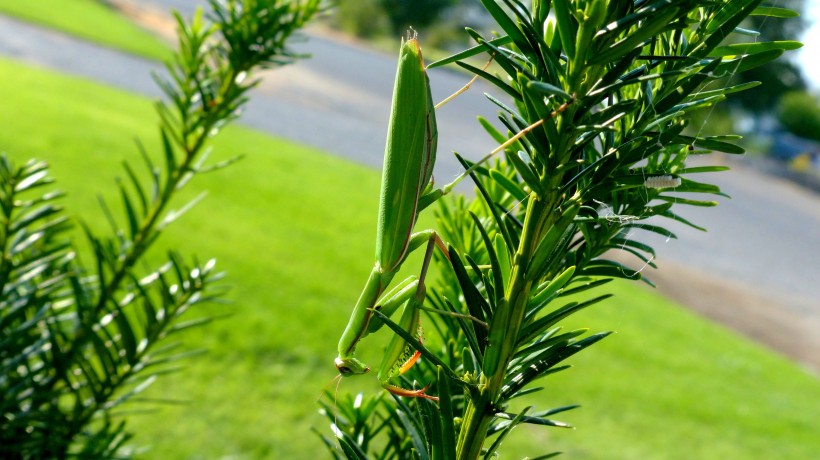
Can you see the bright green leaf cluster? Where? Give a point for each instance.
(601, 93)
(78, 340)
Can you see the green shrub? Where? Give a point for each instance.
(592, 145)
(362, 18)
(79, 339)
(413, 13)
(799, 113)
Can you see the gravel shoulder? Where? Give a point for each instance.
(746, 310)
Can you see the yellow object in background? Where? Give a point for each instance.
(801, 163)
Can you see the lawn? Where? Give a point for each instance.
(293, 227)
(91, 20)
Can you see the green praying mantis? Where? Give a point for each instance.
(406, 189)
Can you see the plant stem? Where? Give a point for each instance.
(480, 412)
(477, 418)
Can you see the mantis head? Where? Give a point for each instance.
(350, 366)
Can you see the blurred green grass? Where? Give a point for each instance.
(293, 227)
(91, 20)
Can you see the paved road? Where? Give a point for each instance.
(765, 241)
(767, 235)
(338, 101)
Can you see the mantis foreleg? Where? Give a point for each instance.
(360, 321)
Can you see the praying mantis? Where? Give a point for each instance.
(406, 189)
(410, 155)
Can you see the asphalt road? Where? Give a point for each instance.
(765, 242)
(338, 100)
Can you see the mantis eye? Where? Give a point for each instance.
(350, 367)
(342, 367)
(344, 370)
